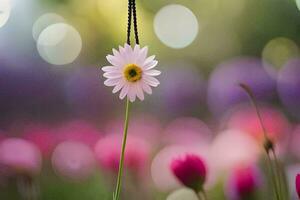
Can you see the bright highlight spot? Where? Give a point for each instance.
(279, 50)
(5, 8)
(298, 4)
(176, 26)
(43, 22)
(183, 193)
(59, 44)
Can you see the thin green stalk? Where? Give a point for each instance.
(198, 195)
(281, 177)
(273, 177)
(204, 194)
(276, 179)
(116, 195)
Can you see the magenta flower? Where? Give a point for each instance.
(20, 156)
(190, 171)
(243, 183)
(298, 185)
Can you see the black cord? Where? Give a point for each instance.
(135, 24)
(129, 21)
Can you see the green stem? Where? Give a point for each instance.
(198, 195)
(116, 195)
(204, 195)
(281, 177)
(273, 177)
(274, 172)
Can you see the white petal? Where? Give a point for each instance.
(128, 54)
(112, 82)
(153, 72)
(124, 91)
(132, 92)
(109, 68)
(142, 56)
(151, 80)
(116, 53)
(148, 60)
(119, 86)
(113, 74)
(122, 51)
(139, 91)
(116, 61)
(136, 51)
(146, 88)
(150, 65)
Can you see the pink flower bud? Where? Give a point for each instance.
(298, 185)
(243, 182)
(20, 156)
(190, 171)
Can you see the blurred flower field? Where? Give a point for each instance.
(197, 136)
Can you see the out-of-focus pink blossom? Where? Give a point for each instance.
(162, 174)
(73, 160)
(298, 185)
(190, 170)
(243, 183)
(245, 119)
(2, 135)
(80, 131)
(20, 156)
(187, 131)
(231, 148)
(144, 126)
(42, 137)
(295, 142)
(108, 151)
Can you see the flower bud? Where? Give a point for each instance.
(190, 170)
(243, 183)
(298, 185)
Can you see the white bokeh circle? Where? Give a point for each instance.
(176, 26)
(59, 44)
(43, 22)
(183, 193)
(5, 9)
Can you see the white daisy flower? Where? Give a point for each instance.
(131, 72)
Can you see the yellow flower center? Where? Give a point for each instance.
(132, 72)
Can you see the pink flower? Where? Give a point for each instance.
(42, 137)
(298, 185)
(143, 126)
(131, 72)
(187, 131)
(190, 171)
(79, 131)
(245, 119)
(243, 183)
(108, 150)
(73, 160)
(20, 156)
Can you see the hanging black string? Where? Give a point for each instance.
(135, 24)
(132, 13)
(129, 21)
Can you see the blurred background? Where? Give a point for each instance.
(60, 127)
